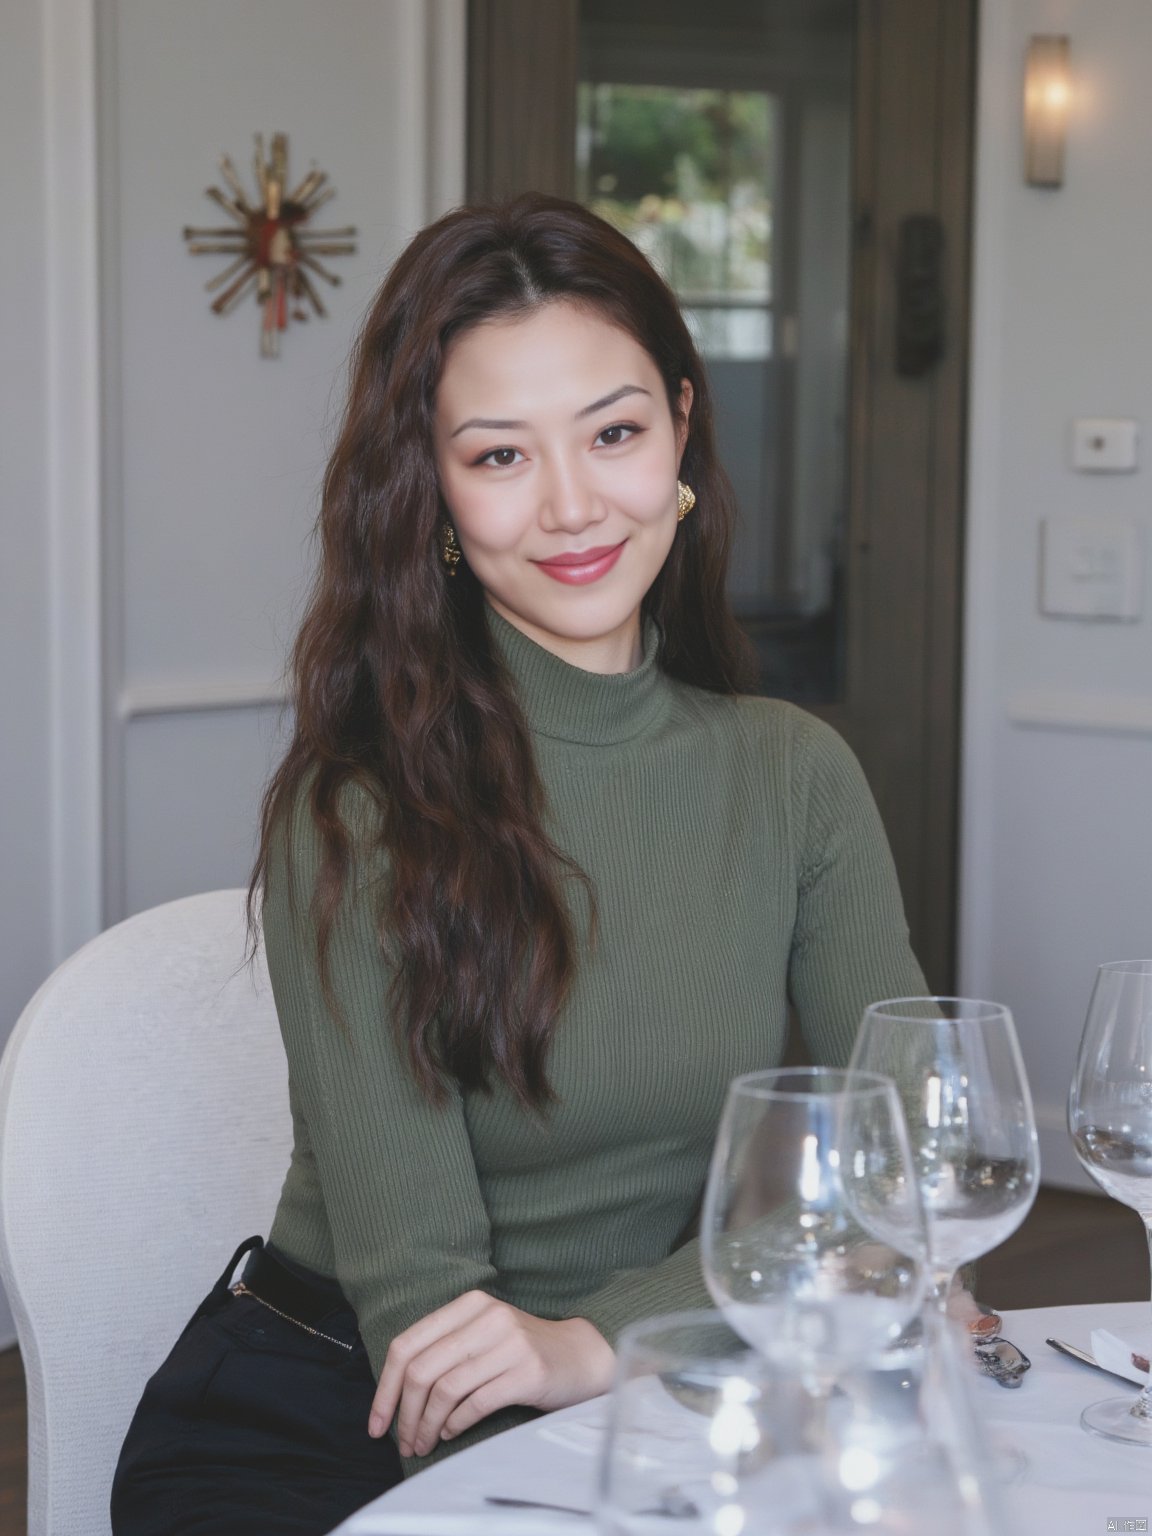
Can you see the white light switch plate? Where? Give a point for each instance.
(1105, 445)
(1091, 568)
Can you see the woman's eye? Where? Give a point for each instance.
(502, 458)
(620, 432)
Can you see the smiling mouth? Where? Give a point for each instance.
(581, 566)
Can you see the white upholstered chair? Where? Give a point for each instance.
(144, 1132)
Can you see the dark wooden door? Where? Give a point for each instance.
(852, 513)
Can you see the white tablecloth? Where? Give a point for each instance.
(1070, 1483)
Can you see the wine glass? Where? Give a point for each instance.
(957, 1068)
(703, 1429)
(812, 1234)
(1110, 1118)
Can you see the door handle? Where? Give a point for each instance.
(919, 295)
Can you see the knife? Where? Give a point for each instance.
(1085, 1358)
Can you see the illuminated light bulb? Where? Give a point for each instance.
(1047, 102)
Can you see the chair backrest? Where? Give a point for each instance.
(144, 1131)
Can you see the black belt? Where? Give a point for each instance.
(307, 1302)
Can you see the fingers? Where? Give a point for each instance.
(407, 1346)
(962, 1306)
(462, 1365)
(476, 1355)
(434, 1393)
(501, 1392)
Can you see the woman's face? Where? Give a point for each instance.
(558, 456)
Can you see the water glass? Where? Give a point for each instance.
(708, 1436)
(958, 1070)
(1110, 1119)
(812, 1233)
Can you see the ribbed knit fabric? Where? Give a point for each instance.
(738, 862)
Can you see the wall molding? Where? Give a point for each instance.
(74, 460)
(1099, 714)
(196, 695)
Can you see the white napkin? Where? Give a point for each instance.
(1115, 1355)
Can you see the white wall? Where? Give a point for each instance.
(159, 478)
(25, 812)
(214, 454)
(1057, 813)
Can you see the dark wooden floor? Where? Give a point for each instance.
(13, 1439)
(1072, 1248)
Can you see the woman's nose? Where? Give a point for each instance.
(568, 503)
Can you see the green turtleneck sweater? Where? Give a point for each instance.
(738, 863)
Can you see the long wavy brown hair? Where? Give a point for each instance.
(398, 689)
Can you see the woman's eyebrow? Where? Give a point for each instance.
(491, 424)
(617, 394)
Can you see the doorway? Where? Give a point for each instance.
(799, 170)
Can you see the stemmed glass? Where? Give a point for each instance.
(1110, 1118)
(812, 1234)
(958, 1071)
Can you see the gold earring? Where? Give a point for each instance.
(450, 551)
(685, 500)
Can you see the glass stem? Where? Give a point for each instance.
(942, 1286)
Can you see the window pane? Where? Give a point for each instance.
(721, 144)
(737, 332)
(688, 175)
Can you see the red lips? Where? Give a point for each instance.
(577, 567)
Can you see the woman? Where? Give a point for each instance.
(537, 882)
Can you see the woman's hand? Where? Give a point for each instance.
(475, 1355)
(963, 1308)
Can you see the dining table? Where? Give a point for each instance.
(1059, 1479)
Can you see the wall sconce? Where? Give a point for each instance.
(1047, 97)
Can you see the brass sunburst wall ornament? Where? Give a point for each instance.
(272, 250)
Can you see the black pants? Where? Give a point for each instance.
(253, 1424)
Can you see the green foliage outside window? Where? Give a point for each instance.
(688, 175)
